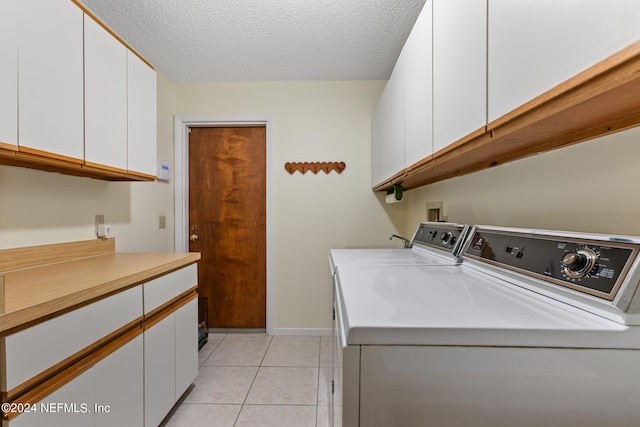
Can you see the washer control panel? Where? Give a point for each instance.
(596, 267)
(441, 235)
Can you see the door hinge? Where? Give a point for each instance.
(334, 313)
(333, 387)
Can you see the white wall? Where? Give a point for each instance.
(591, 187)
(312, 121)
(42, 207)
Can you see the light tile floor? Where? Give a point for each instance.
(248, 380)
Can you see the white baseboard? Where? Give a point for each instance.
(320, 332)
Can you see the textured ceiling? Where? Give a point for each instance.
(264, 40)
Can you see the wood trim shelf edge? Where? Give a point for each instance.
(601, 100)
(50, 162)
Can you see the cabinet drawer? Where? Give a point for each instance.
(34, 350)
(164, 288)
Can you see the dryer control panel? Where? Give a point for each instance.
(441, 235)
(596, 267)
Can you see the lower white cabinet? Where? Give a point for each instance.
(186, 346)
(170, 361)
(119, 385)
(108, 394)
(159, 370)
(133, 366)
(52, 411)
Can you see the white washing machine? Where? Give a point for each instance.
(433, 243)
(534, 328)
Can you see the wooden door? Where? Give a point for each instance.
(227, 213)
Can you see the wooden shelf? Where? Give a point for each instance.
(13, 156)
(603, 99)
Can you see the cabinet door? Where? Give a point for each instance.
(9, 72)
(119, 382)
(376, 123)
(142, 113)
(418, 114)
(105, 74)
(159, 370)
(392, 123)
(51, 77)
(535, 45)
(186, 346)
(459, 69)
(69, 406)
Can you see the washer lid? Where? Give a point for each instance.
(392, 256)
(430, 305)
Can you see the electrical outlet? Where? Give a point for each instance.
(104, 230)
(99, 221)
(162, 221)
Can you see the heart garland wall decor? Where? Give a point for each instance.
(314, 167)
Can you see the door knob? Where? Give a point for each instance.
(193, 238)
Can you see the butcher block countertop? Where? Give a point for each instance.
(53, 279)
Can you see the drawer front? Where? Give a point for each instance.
(33, 350)
(164, 288)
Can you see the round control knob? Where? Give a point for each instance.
(574, 260)
(577, 264)
(447, 237)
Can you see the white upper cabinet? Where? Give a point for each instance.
(387, 141)
(105, 74)
(142, 116)
(535, 45)
(392, 125)
(50, 77)
(459, 69)
(418, 97)
(9, 72)
(376, 123)
(402, 120)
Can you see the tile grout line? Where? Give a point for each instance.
(244, 403)
(253, 381)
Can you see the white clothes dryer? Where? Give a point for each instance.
(533, 328)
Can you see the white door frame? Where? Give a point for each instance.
(181, 179)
